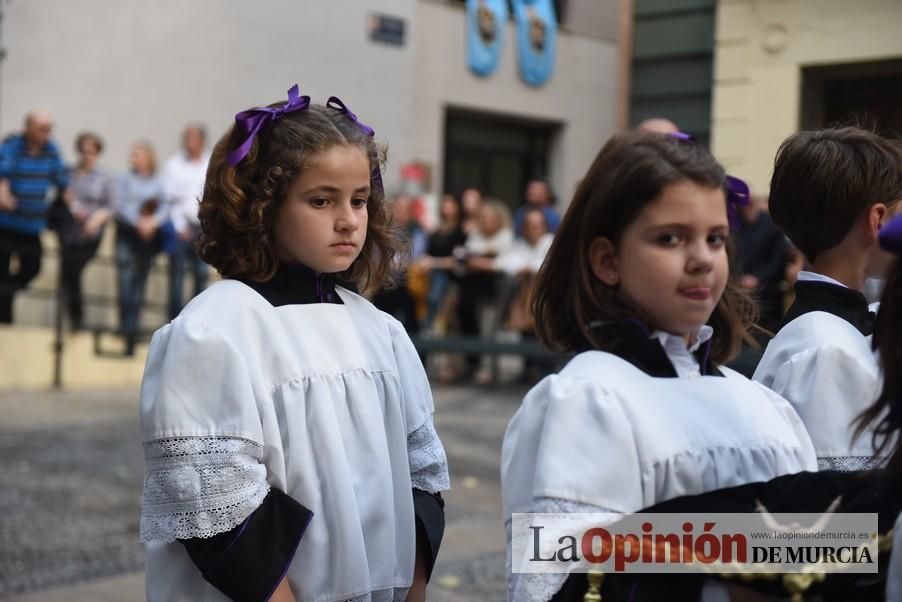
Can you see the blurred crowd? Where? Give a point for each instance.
(470, 271)
(152, 208)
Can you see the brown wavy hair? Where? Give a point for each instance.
(886, 412)
(628, 173)
(240, 204)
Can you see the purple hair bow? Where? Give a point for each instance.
(891, 235)
(335, 103)
(738, 194)
(253, 120)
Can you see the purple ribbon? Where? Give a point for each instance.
(682, 136)
(738, 194)
(253, 120)
(891, 235)
(335, 103)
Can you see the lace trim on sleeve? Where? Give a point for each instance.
(382, 595)
(199, 486)
(428, 463)
(849, 463)
(541, 587)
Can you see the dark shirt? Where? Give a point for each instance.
(631, 341)
(846, 303)
(442, 244)
(806, 492)
(552, 219)
(763, 253)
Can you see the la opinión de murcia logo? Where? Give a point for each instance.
(692, 543)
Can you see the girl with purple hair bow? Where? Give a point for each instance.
(290, 452)
(887, 410)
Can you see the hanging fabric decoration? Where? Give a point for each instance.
(486, 22)
(536, 39)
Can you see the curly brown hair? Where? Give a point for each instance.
(240, 204)
(628, 173)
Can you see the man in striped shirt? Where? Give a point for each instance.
(30, 165)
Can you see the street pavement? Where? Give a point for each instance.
(70, 495)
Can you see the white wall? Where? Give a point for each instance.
(761, 49)
(132, 69)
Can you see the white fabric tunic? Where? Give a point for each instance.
(328, 403)
(826, 368)
(604, 436)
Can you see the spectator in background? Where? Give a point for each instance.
(478, 285)
(763, 254)
(538, 196)
(658, 124)
(439, 259)
(403, 216)
(140, 212)
(93, 192)
(471, 199)
(183, 181)
(30, 164)
(521, 263)
(525, 255)
(398, 301)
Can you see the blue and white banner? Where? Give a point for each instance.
(486, 22)
(536, 39)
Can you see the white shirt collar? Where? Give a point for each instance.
(673, 343)
(806, 276)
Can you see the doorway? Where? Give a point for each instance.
(867, 95)
(496, 154)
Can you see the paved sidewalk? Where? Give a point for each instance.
(125, 588)
(70, 490)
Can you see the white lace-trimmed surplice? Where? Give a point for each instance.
(603, 436)
(827, 369)
(326, 402)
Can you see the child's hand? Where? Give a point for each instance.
(283, 593)
(146, 227)
(417, 591)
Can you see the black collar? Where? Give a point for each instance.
(296, 284)
(845, 303)
(631, 341)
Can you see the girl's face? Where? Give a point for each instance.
(322, 221)
(672, 260)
